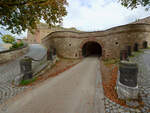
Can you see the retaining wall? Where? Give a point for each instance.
(9, 55)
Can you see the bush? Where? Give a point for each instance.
(137, 53)
(16, 45)
(26, 82)
(111, 61)
(8, 39)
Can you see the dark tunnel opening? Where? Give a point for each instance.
(91, 49)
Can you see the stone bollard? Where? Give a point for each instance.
(136, 47)
(54, 51)
(145, 44)
(26, 67)
(18, 79)
(49, 54)
(129, 50)
(127, 87)
(123, 55)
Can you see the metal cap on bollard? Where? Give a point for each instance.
(26, 67)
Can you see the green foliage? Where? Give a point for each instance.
(16, 45)
(111, 61)
(137, 53)
(146, 48)
(26, 82)
(19, 15)
(8, 39)
(135, 3)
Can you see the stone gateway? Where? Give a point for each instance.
(107, 44)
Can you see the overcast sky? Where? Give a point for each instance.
(93, 15)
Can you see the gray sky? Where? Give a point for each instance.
(93, 15)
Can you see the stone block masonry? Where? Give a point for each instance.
(9, 55)
(69, 44)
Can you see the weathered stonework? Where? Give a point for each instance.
(69, 44)
(125, 92)
(6, 56)
(42, 31)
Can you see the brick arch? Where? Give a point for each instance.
(92, 40)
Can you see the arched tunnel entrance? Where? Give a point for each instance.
(91, 49)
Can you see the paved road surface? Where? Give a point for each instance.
(73, 91)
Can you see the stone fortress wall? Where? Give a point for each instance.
(144, 20)
(69, 44)
(42, 31)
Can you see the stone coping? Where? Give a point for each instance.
(10, 50)
(33, 59)
(119, 29)
(127, 63)
(10, 55)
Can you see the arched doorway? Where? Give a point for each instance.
(136, 47)
(145, 44)
(91, 49)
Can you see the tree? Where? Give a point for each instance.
(135, 3)
(8, 39)
(19, 15)
(11, 40)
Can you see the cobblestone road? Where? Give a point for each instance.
(143, 62)
(10, 70)
(144, 79)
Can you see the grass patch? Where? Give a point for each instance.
(26, 82)
(146, 48)
(137, 53)
(111, 61)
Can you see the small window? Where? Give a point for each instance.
(76, 55)
(116, 43)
